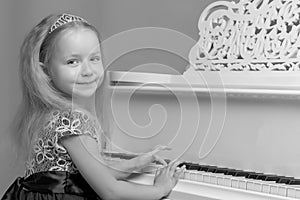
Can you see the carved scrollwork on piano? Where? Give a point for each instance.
(252, 35)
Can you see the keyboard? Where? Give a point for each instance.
(212, 182)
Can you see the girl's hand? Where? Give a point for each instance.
(167, 177)
(145, 159)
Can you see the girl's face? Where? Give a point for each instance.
(76, 67)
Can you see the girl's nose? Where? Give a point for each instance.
(86, 69)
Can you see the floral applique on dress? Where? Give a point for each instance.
(47, 153)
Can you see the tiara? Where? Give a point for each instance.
(64, 19)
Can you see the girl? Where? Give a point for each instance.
(61, 70)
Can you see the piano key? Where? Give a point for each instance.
(220, 179)
(231, 172)
(227, 181)
(297, 193)
(266, 188)
(213, 179)
(200, 176)
(285, 180)
(187, 175)
(221, 170)
(261, 177)
(282, 190)
(241, 173)
(294, 182)
(253, 175)
(293, 191)
(194, 175)
(243, 183)
(193, 166)
(235, 183)
(254, 185)
(274, 189)
(212, 169)
(203, 168)
(239, 182)
(273, 178)
(206, 177)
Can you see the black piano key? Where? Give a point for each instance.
(232, 172)
(203, 168)
(285, 180)
(241, 174)
(221, 170)
(294, 182)
(261, 177)
(212, 169)
(253, 175)
(273, 178)
(193, 166)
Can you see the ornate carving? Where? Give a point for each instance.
(252, 35)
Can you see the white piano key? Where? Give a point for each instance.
(234, 183)
(223, 180)
(193, 175)
(297, 193)
(266, 188)
(274, 189)
(258, 186)
(282, 190)
(239, 182)
(220, 180)
(200, 176)
(227, 181)
(213, 179)
(250, 185)
(243, 184)
(206, 177)
(187, 175)
(291, 192)
(254, 185)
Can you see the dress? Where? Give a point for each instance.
(50, 173)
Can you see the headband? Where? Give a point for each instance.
(64, 19)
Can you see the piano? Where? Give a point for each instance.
(233, 117)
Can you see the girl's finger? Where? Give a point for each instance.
(160, 160)
(160, 148)
(180, 172)
(174, 166)
(158, 171)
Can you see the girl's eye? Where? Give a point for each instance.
(96, 58)
(72, 62)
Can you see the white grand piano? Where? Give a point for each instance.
(233, 117)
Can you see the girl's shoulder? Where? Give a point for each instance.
(70, 118)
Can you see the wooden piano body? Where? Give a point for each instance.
(237, 106)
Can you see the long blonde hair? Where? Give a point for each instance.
(39, 95)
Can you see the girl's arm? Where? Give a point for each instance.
(84, 152)
(122, 169)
